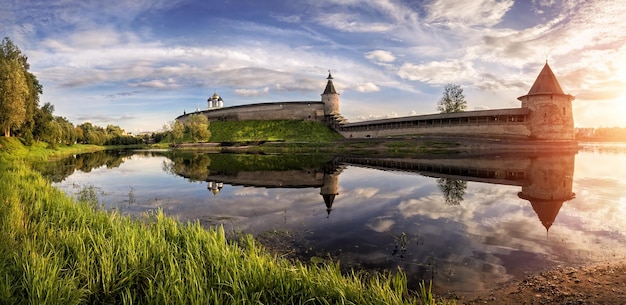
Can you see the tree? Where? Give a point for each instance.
(13, 92)
(198, 126)
(41, 118)
(19, 91)
(453, 99)
(178, 130)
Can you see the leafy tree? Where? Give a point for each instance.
(178, 130)
(68, 131)
(453, 99)
(19, 91)
(42, 117)
(54, 133)
(13, 88)
(32, 102)
(114, 131)
(198, 126)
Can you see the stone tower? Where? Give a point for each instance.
(551, 116)
(330, 98)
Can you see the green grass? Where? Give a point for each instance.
(13, 148)
(275, 130)
(56, 250)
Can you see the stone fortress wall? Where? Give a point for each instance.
(545, 114)
(307, 110)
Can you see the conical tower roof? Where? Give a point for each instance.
(546, 83)
(547, 211)
(330, 88)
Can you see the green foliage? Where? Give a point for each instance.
(453, 99)
(198, 127)
(58, 251)
(13, 92)
(178, 130)
(274, 130)
(19, 91)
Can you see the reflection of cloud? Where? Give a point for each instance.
(251, 191)
(365, 192)
(381, 224)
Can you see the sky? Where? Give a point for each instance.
(139, 64)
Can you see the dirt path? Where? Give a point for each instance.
(598, 284)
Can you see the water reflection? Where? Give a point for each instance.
(465, 222)
(58, 170)
(545, 181)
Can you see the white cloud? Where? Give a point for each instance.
(158, 84)
(367, 87)
(381, 56)
(468, 13)
(252, 92)
(351, 23)
(453, 71)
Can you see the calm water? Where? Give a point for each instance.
(466, 223)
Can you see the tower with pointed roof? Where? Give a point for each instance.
(330, 98)
(551, 116)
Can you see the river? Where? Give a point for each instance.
(466, 222)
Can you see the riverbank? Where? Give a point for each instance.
(56, 250)
(595, 284)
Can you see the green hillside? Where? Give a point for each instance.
(275, 130)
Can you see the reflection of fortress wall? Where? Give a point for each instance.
(508, 171)
(271, 179)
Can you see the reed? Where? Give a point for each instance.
(57, 250)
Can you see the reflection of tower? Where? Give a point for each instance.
(330, 186)
(550, 184)
(215, 187)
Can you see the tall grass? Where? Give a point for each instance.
(55, 250)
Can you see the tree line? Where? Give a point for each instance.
(22, 116)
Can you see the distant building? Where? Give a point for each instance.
(215, 101)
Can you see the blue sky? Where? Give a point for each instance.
(139, 64)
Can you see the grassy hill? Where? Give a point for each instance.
(275, 130)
